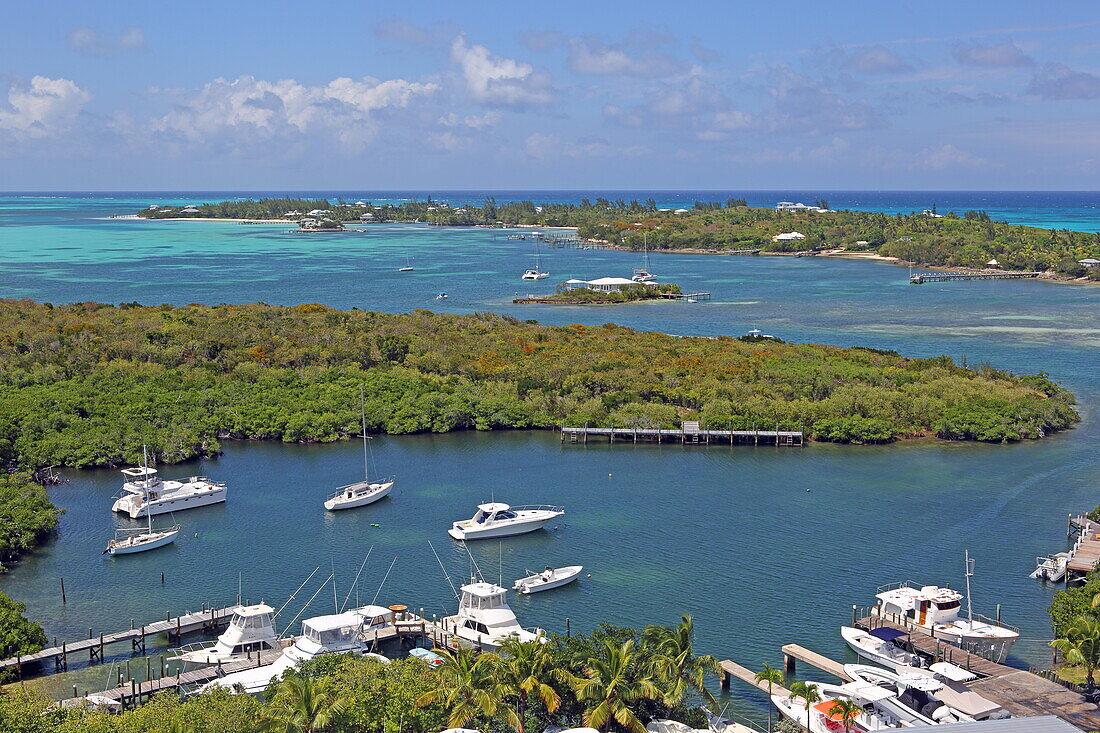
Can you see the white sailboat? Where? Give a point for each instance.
(408, 266)
(362, 492)
(129, 541)
(643, 275)
(537, 272)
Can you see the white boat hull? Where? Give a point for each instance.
(133, 506)
(160, 540)
(535, 583)
(993, 648)
(507, 530)
(852, 637)
(343, 501)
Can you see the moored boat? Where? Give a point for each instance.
(881, 646)
(823, 717)
(484, 619)
(933, 695)
(362, 492)
(145, 494)
(251, 630)
(130, 541)
(1052, 568)
(501, 520)
(548, 578)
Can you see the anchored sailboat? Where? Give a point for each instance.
(129, 541)
(643, 275)
(408, 266)
(362, 492)
(536, 273)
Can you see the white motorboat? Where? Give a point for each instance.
(362, 492)
(145, 494)
(933, 695)
(936, 610)
(501, 520)
(251, 630)
(129, 541)
(821, 717)
(347, 632)
(881, 646)
(1052, 568)
(548, 578)
(484, 619)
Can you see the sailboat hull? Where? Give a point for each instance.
(158, 540)
(357, 495)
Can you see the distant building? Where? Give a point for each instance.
(189, 210)
(993, 263)
(1089, 262)
(788, 236)
(603, 284)
(929, 212)
(681, 211)
(366, 217)
(318, 212)
(789, 206)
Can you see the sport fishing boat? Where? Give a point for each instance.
(484, 619)
(145, 494)
(935, 610)
(935, 697)
(881, 646)
(362, 492)
(251, 629)
(547, 579)
(130, 541)
(822, 718)
(348, 632)
(501, 520)
(1052, 568)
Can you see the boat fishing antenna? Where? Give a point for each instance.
(288, 600)
(307, 603)
(372, 600)
(473, 563)
(445, 575)
(355, 583)
(969, 574)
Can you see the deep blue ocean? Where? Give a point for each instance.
(730, 535)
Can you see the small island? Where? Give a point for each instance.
(604, 291)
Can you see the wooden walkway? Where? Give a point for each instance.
(1021, 693)
(173, 626)
(1085, 554)
(793, 652)
(685, 296)
(733, 669)
(688, 434)
(942, 277)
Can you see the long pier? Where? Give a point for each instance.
(1084, 556)
(687, 296)
(689, 433)
(920, 278)
(173, 627)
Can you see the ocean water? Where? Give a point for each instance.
(764, 546)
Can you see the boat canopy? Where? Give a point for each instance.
(887, 634)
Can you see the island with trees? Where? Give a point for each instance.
(590, 296)
(969, 239)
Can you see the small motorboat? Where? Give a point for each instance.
(823, 717)
(881, 646)
(129, 541)
(933, 696)
(432, 659)
(547, 579)
(501, 520)
(441, 296)
(1052, 568)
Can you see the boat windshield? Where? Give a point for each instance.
(483, 603)
(505, 515)
(251, 622)
(329, 637)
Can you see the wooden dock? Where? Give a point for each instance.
(1020, 692)
(794, 652)
(1085, 553)
(686, 296)
(733, 669)
(920, 278)
(208, 620)
(689, 433)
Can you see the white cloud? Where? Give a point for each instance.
(592, 56)
(42, 108)
(498, 80)
(474, 122)
(999, 55)
(95, 43)
(249, 112)
(948, 156)
(875, 60)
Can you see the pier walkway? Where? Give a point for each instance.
(1084, 556)
(689, 433)
(208, 620)
(733, 669)
(920, 278)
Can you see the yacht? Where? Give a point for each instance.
(935, 610)
(642, 274)
(348, 632)
(251, 630)
(937, 698)
(501, 520)
(536, 273)
(484, 619)
(145, 494)
(874, 715)
(408, 266)
(881, 646)
(362, 492)
(129, 541)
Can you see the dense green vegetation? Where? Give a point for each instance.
(627, 294)
(26, 515)
(89, 384)
(614, 679)
(970, 239)
(18, 635)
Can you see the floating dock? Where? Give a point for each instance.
(920, 278)
(688, 433)
(207, 620)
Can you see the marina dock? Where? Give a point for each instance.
(733, 669)
(1085, 553)
(689, 433)
(688, 296)
(206, 620)
(920, 278)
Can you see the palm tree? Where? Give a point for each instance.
(772, 676)
(525, 671)
(675, 661)
(847, 709)
(1081, 645)
(611, 684)
(809, 693)
(467, 687)
(303, 705)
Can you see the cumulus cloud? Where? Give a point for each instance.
(473, 122)
(42, 108)
(247, 112)
(497, 80)
(1000, 55)
(948, 156)
(1059, 82)
(590, 55)
(875, 60)
(96, 43)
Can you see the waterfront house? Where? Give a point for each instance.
(993, 263)
(366, 217)
(1089, 262)
(788, 236)
(318, 212)
(929, 212)
(788, 206)
(602, 284)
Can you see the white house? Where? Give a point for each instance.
(189, 210)
(1089, 262)
(993, 263)
(603, 284)
(318, 212)
(788, 236)
(788, 206)
(366, 217)
(929, 212)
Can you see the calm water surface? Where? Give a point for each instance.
(730, 535)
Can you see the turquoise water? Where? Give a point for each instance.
(728, 534)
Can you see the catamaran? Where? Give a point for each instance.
(408, 266)
(643, 275)
(501, 520)
(362, 492)
(536, 273)
(129, 541)
(145, 494)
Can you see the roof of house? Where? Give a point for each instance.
(1036, 724)
(611, 281)
(1089, 261)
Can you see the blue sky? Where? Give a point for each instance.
(561, 95)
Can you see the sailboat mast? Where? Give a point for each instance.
(363, 416)
(969, 573)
